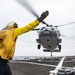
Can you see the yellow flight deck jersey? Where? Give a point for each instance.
(8, 39)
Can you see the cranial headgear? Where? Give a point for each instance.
(12, 24)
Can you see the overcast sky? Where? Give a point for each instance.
(60, 12)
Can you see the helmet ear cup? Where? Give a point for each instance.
(15, 26)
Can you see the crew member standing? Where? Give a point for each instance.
(8, 37)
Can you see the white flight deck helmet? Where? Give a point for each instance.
(11, 25)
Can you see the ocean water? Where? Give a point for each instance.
(28, 57)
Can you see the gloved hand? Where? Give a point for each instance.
(43, 16)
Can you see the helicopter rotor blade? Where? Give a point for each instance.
(65, 24)
(26, 5)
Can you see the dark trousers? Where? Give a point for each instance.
(4, 68)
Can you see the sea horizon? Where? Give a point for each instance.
(29, 57)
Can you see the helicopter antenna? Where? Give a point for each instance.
(26, 5)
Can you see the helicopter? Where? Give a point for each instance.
(49, 36)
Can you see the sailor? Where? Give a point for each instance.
(8, 37)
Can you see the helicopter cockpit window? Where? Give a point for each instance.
(48, 28)
(42, 28)
(52, 28)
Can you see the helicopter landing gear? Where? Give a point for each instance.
(39, 46)
(59, 47)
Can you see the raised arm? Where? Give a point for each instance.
(30, 26)
(27, 28)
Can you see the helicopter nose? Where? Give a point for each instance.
(46, 32)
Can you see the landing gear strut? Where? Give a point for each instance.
(39, 46)
(51, 53)
(59, 47)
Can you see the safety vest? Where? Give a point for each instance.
(7, 44)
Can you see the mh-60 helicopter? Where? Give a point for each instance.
(49, 35)
(49, 38)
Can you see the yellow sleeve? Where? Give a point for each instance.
(30, 26)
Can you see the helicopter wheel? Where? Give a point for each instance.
(59, 47)
(39, 46)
